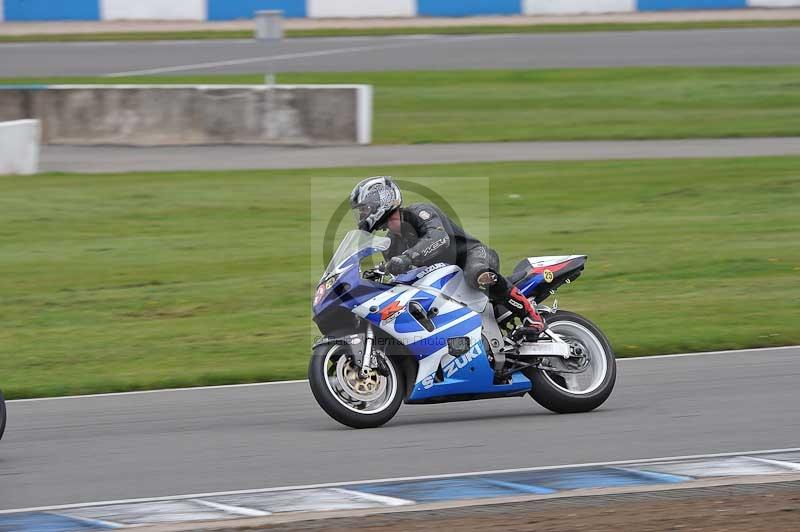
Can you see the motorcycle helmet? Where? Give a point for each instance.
(373, 200)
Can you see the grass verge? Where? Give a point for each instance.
(556, 104)
(400, 30)
(135, 281)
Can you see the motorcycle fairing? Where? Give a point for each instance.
(449, 280)
(468, 374)
(536, 276)
(389, 311)
(347, 288)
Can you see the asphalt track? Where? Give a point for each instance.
(109, 159)
(229, 438)
(757, 47)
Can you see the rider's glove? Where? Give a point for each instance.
(399, 264)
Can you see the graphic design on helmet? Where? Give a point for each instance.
(373, 200)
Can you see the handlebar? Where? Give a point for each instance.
(377, 273)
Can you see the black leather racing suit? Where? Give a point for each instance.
(429, 236)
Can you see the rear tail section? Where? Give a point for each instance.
(540, 277)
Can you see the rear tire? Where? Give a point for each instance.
(551, 389)
(334, 396)
(2, 415)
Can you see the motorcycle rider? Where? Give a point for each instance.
(422, 235)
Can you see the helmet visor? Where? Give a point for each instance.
(365, 215)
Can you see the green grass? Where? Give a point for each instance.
(557, 104)
(400, 30)
(133, 281)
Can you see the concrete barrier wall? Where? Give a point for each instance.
(27, 10)
(19, 147)
(360, 8)
(148, 115)
(24, 10)
(465, 8)
(153, 9)
(665, 5)
(562, 7)
(773, 3)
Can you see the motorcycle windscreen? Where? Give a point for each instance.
(354, 242)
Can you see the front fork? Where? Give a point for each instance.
(367, 359)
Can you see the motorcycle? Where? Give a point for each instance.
(426, 336)
(2, 415)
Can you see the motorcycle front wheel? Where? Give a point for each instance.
(592, 375)
(352, 399)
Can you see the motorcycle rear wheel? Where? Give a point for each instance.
(352, 400)
(568, 393)
(2, 415)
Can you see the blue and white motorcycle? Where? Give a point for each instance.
(426, 337)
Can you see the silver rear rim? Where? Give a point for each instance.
(370, 394)
(585, 343)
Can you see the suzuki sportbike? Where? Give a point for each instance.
(426, 336)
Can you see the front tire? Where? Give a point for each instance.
(348, 398)
(568, 393)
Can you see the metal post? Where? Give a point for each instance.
(269, 25)
(269, 28)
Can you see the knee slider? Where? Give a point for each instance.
(487, 278)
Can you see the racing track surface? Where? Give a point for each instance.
(90, 159)
(180, 442)
(773, 46)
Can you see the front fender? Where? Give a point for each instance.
(353, 341)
